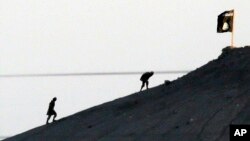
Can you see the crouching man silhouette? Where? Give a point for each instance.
(51, 111)
(144, 78)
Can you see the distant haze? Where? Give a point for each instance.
(63, 36)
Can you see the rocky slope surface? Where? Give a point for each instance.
(197, 107)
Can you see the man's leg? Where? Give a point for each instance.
(147, 84)
(47, 122)
(143, 83)
(54, 116)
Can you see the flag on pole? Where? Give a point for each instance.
(225, 22)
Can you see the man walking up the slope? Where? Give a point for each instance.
(144, 78)
(51, 111)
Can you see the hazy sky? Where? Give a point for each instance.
(65, 36)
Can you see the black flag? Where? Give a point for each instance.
(225, 22)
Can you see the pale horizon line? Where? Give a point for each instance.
(91, 73)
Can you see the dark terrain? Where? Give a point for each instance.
(197, 107)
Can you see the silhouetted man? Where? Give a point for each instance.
(144, 78)
(51, 111)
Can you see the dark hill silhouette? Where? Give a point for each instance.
(197, 107)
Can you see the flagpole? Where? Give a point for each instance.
(232, 34)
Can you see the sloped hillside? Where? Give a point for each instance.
(197, 107)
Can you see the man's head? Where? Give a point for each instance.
(151, 73)
(54, 99)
